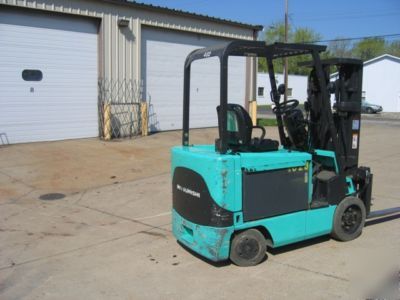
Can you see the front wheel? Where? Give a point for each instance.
(248, 248)
(349, 219)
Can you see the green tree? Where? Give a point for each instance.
(393, 48)
(340, 48)
(302, 35)
(276, 33)
(369, 48)
(305, 35)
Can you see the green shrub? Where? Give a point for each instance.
(266, 122)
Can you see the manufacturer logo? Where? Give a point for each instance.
(207, 54)
(187, 191)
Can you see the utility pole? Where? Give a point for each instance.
(286, 40)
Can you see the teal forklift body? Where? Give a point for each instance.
(223, 176)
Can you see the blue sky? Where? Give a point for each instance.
(334, 18)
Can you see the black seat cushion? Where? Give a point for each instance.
(240, 136)
(263, 145)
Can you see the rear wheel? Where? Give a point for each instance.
(349, 219)
(370, 110)
(248, 248)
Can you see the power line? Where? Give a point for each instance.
(346, 16)
(357, 38)
(347, 12)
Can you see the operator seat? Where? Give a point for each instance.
(296, 128)
(240, 128)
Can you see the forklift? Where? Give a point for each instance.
(235, 198)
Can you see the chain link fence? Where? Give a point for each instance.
(120, 108)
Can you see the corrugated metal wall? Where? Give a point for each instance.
(119, 48)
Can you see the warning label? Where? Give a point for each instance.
(354, 144)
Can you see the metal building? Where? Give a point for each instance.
(381, 77)
(53, 53)
(297, 87)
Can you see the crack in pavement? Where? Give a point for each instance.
(15, 200)
(122, 217)
(83, 193)
(311, 271)
(13, 264)
(17, 180)
(385, 158)
(114, 184)
(385, 196)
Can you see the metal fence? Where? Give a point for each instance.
(119, 108)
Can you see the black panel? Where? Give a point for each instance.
(363, 180)
(272, 193)
(329, 187)
(192, 200)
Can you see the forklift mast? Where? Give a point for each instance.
(348, 91)
(346, 118)
(346, 111)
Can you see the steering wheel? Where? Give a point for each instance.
(286, 106)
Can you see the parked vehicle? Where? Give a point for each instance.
(369, 108)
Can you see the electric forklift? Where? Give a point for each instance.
(235, 198)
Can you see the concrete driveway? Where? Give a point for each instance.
(110, 236)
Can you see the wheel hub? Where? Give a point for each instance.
(248, 248)
(351, 219)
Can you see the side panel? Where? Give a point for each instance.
(284, 229)
(295, 227)
(319, 221)
(274, 192)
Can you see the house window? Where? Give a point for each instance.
(289, 92)
(261, 91)
(32, 75)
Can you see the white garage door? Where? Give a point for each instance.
(48, 77)
(163, 56)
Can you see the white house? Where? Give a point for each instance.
(381, 82)
(297, 87)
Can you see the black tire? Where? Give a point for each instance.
(248, 248)
(349, 219)
(370, 110)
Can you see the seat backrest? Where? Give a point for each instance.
(239, 125)
(296, 128)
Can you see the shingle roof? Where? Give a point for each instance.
(186, 14)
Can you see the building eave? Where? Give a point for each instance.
(383, 56)
(375, 59)
(183, 13)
